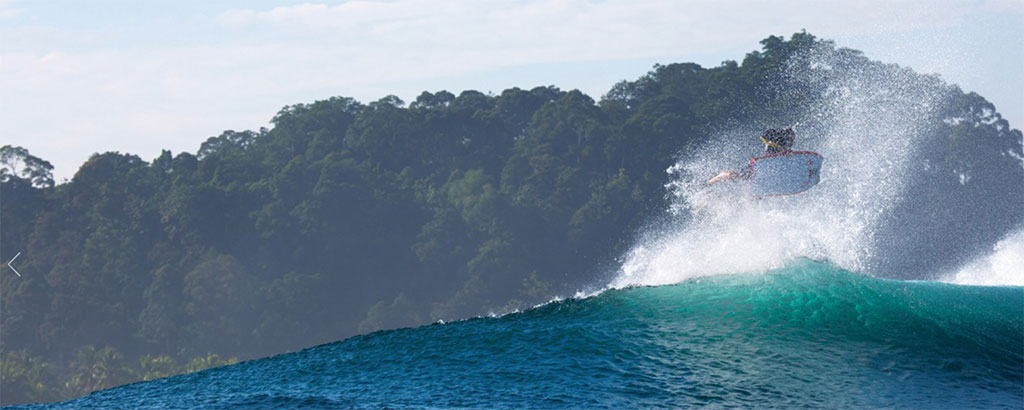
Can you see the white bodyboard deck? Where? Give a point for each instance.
(785, 173)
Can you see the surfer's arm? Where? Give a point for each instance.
(729, 175)
(722, 176)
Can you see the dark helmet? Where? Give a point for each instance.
(778, 139)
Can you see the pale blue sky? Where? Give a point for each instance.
(78, 77)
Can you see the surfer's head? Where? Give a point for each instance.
(778, 139)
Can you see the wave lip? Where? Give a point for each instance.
(806, 335)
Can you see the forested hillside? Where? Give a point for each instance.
(347, 217)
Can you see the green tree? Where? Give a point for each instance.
(25, 378)
(159, 321)
(209, 361)
(157, 367)
(16, 162)
(96, 369)
(220, 299)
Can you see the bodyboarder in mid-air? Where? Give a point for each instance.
(776, 140)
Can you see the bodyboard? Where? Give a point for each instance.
(784, 173)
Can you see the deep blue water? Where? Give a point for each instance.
(809, 335)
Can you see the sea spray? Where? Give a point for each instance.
(1004, 266)
(870, 121)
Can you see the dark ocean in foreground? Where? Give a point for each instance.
(809, 335)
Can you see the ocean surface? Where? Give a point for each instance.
(808, 335)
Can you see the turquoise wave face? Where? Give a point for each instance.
(809, 335)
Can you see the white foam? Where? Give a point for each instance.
(1003, 267)
(864, 123)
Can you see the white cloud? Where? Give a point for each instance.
(410, 39)
(1005, 6)
(7, 10)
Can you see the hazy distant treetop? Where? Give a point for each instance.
(16, 162)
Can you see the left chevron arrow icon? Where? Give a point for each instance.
(12, 266)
